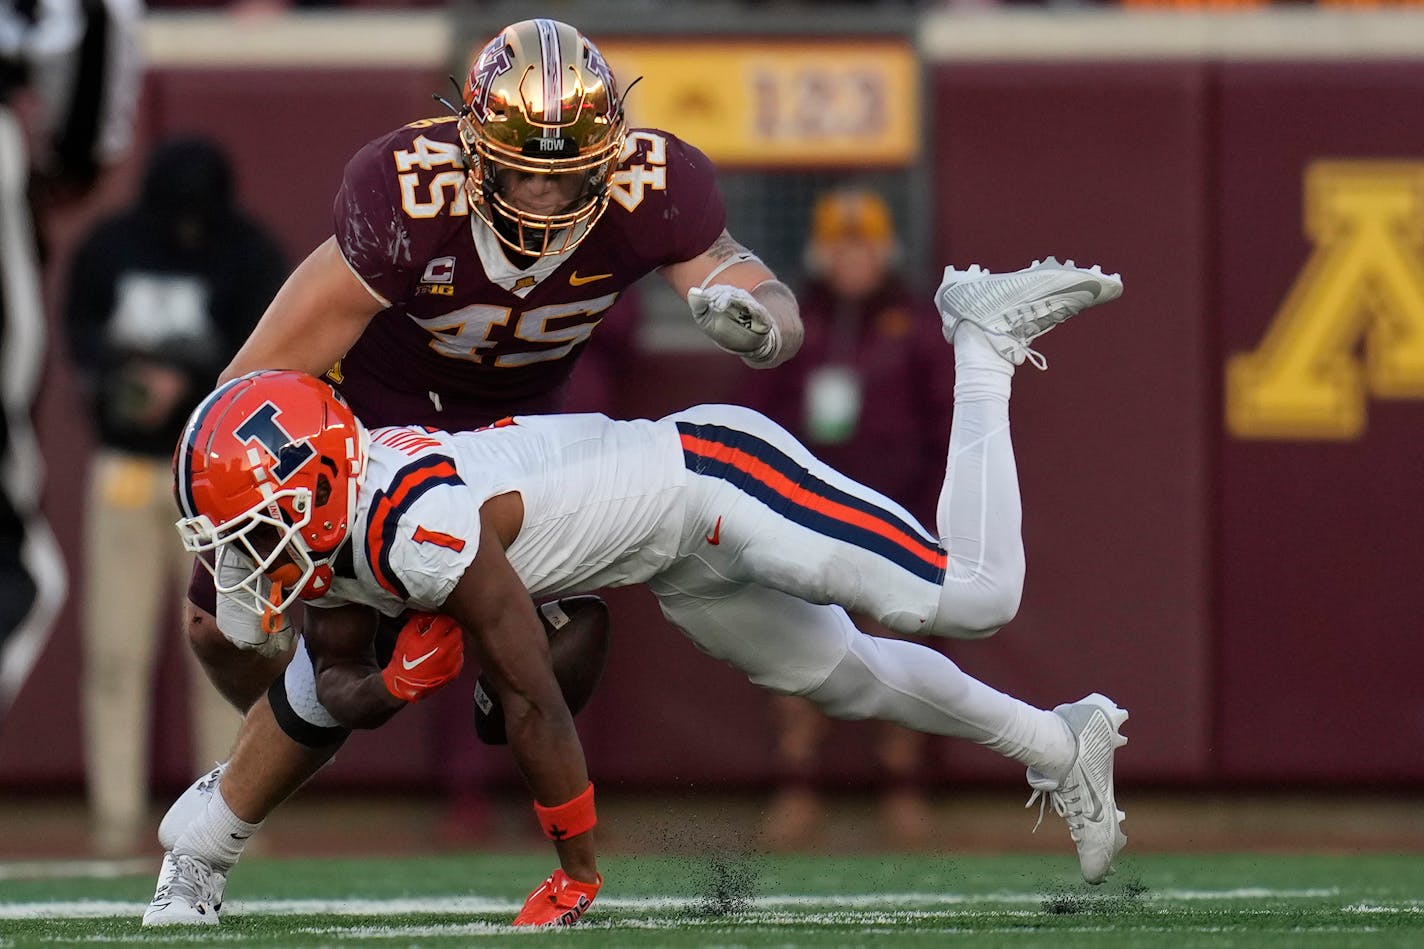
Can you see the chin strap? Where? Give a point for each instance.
(271, 616)
(282, 579)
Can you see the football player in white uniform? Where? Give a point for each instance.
(753, 548)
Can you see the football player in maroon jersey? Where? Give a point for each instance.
(473, 256)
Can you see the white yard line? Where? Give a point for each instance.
(74, 869)
(892, 903)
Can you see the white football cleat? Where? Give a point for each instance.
(189, 807)
(1084, 796)
(1015, 308)
(190, 893)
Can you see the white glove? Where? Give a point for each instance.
(241, 626)
(734, 320)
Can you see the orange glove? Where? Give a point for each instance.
(559, 901)
(429, 653)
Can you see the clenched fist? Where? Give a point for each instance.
(429, 653)
(733, 319)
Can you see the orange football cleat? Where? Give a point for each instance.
(559, 901)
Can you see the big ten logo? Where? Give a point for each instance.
(425, 155)
(1352, 325)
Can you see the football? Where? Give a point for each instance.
(577, 627)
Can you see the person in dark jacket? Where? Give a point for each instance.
(160, 297)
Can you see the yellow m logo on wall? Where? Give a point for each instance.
(1352, 325)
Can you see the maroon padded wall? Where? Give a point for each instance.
(1101, 163)
(1249, 601)
(1320, 549)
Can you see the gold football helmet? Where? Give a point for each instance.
(541, 111)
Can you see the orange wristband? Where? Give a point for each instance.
(570, 818)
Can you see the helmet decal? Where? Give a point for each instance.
(493, 60)
(599, 67)
(553, 92)
(262, 427)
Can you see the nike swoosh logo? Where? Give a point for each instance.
(1095, 813)
(1087, 286)
(239, 836)
(576, 281)
(410, 664)
(715, 537)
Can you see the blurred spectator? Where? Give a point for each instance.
(161, 296)
(68, 83)
(871, 379)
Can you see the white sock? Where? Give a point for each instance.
(919, 688)
(218, 837)
(979, 370)
(1036, 738)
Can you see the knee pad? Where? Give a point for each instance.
(975, 610)
(298, 711)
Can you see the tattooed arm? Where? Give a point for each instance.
(738, 302)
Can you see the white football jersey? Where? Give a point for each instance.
(602, 507)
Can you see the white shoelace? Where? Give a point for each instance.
(1016, 345)
(191, 881)
(211, 779)
(1067, 804)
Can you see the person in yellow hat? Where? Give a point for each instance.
(856, 395)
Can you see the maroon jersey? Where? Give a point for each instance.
(466, 333)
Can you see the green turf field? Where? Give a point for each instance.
(752, 901)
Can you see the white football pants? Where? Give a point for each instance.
(777, 546)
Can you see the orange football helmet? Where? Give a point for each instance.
(541, 100)
(268, 467)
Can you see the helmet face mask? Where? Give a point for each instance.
(266, 476)
(282, 565)
(540, 101)
(538, 213)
